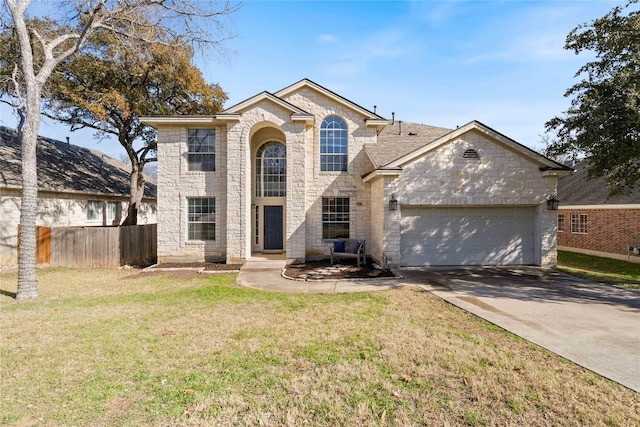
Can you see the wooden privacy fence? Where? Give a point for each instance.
(103, 247)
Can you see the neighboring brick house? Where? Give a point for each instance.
(591, 222)
(293, 170)
(76, 187)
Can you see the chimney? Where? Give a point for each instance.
(393, 118)
(67, 140)
(375, 107)
(400, 127)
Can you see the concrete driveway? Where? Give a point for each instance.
(594, 325)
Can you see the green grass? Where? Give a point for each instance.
(600, 269)
(115, 347)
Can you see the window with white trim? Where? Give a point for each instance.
(93, 210)
(271, 170)
(201, 150)
(560, 223)
(201, 218)
(335, 217)
(333, 144)
(579, 223)
(113, 211)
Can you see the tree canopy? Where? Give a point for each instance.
(603, 121)
(40, 49)
(115, 80)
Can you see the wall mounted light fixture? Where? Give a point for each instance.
(393, 203)
(553, 203)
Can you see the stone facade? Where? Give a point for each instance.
(443, 177)
(505, 175)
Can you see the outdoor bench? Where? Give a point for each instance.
(348, 248)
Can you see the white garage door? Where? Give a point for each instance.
(467, 236)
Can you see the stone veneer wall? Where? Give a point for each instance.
(320, 184)
(501, 176)
(240, 178)
(175, 185)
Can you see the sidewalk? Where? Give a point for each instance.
(266, 274)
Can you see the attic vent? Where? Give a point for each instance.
(471, 154)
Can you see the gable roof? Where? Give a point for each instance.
(578, 189)
(296, 112)
(442, 136)
(370, 115)
(66, 168)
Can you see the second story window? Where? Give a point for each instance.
(201, 150)
(333, 144)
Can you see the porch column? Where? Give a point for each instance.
(238, 194)
(296, 195)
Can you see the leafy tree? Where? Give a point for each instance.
(42, 48)
(113, 82)
(603, 122)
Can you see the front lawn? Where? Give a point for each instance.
(600, 269)
(120, 347)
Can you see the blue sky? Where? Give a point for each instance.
(437, 63)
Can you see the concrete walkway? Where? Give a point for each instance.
(594, 325)
(266, 273)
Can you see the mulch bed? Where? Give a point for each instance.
(207, 266)
(303, 271)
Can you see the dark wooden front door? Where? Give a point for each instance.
(273, 227)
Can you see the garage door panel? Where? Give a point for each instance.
(466, 236)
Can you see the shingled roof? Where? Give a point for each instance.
(66, 167)
(577, 189)
(393, 143)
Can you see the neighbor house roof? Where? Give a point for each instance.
(66, 168)
(578, 189)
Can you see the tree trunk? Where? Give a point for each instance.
(137, 192)
(27, 280)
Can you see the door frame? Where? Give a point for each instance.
(279, 208)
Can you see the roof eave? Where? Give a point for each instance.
(378, 124)
(379, 173)
(163, 121)
(307, 119)
(556, 172)
(263, 96)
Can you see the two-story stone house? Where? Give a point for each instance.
(293, 170)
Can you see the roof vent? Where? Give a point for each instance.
(471, 154)
(413, 133)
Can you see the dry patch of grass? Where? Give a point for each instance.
(123, 348)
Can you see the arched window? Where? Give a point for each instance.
(333, 144)
(271, 170)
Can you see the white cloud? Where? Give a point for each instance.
(327, 38)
